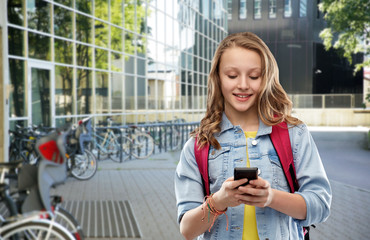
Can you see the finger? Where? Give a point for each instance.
(260, 182)
(239, 182)
(250, 199)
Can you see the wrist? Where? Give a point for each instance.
(218, 203)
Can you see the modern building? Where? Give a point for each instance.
(291, 30)
(136, 60)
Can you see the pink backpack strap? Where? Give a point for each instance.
(281, 141)
(201, 156)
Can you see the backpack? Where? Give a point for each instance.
(281, 142)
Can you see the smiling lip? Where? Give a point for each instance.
(242, 97)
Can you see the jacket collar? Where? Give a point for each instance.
(263, 129)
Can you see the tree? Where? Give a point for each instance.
(348, 28)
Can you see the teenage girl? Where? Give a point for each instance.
(245, 99)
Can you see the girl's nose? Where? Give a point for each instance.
(243, 82)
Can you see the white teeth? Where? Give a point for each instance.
(242, 96)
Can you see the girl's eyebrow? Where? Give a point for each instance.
(227, 68)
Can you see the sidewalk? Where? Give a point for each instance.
(148, 189)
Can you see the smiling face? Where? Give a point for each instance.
(240, 73)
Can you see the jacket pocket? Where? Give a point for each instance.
(217, 159)
(279, 179)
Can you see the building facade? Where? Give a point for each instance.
(138, 61)
(291, 30)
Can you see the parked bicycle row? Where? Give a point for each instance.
(81, 162)
(28, 210)
(120, 143)
(107, 141)
(42, 158)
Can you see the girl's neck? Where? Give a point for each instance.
(248, 121)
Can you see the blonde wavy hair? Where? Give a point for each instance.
(273, 103)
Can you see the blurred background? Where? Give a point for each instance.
(143, 62)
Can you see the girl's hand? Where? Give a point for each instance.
(228, 195)
(257, 193)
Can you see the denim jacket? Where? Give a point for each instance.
(271, 224)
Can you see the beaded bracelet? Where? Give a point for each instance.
(209, 204)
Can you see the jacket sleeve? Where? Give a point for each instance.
(188, 181)
(314, 184)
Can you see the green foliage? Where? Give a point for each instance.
(368, 97)
(349, 24)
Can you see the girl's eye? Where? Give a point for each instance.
(254, 78)
(232, 76)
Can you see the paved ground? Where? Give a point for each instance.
(148, 186)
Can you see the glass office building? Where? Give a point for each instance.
(139, 61)
(291, 30)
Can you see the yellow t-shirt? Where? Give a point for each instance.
(250, 223)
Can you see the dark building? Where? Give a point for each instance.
(291, 30)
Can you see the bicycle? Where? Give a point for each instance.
(22, 143)
(31, 225)
(34, 183)
(109, 144)
(142, 143)
(117, 143)
(167, 135)
(81, 162)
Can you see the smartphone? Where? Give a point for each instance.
(250, 173)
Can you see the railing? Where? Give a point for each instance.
(327, 100)
(159, 133)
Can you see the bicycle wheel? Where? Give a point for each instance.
(142, 145)
(85, 165)
(67, 220)
(15, 155)
(37, 229)
(126, 145)
(171, 139)
(100, 150)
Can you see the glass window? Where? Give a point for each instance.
(116, 38)
(229, 9)
(15, 41)
(302, 8)
(40, 96)
(287, 8)
(257, 9)
(38, 15)
(242, 9)
(68, 3)
(117, 62)
(129, 92)
(101, 58)
(101, 92)
(272, 8)
(84, 90)
(116, 12)
(62, 22)
(17, 96)
(83, 28)
(39, 46)
(129, 43)
(63, 51)
(117, 94)
(15, 12)
(63, 90)
(60, 122)
(84, 6)
(101, 9)
(101, 34)
(84, 55)
(141, 92)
